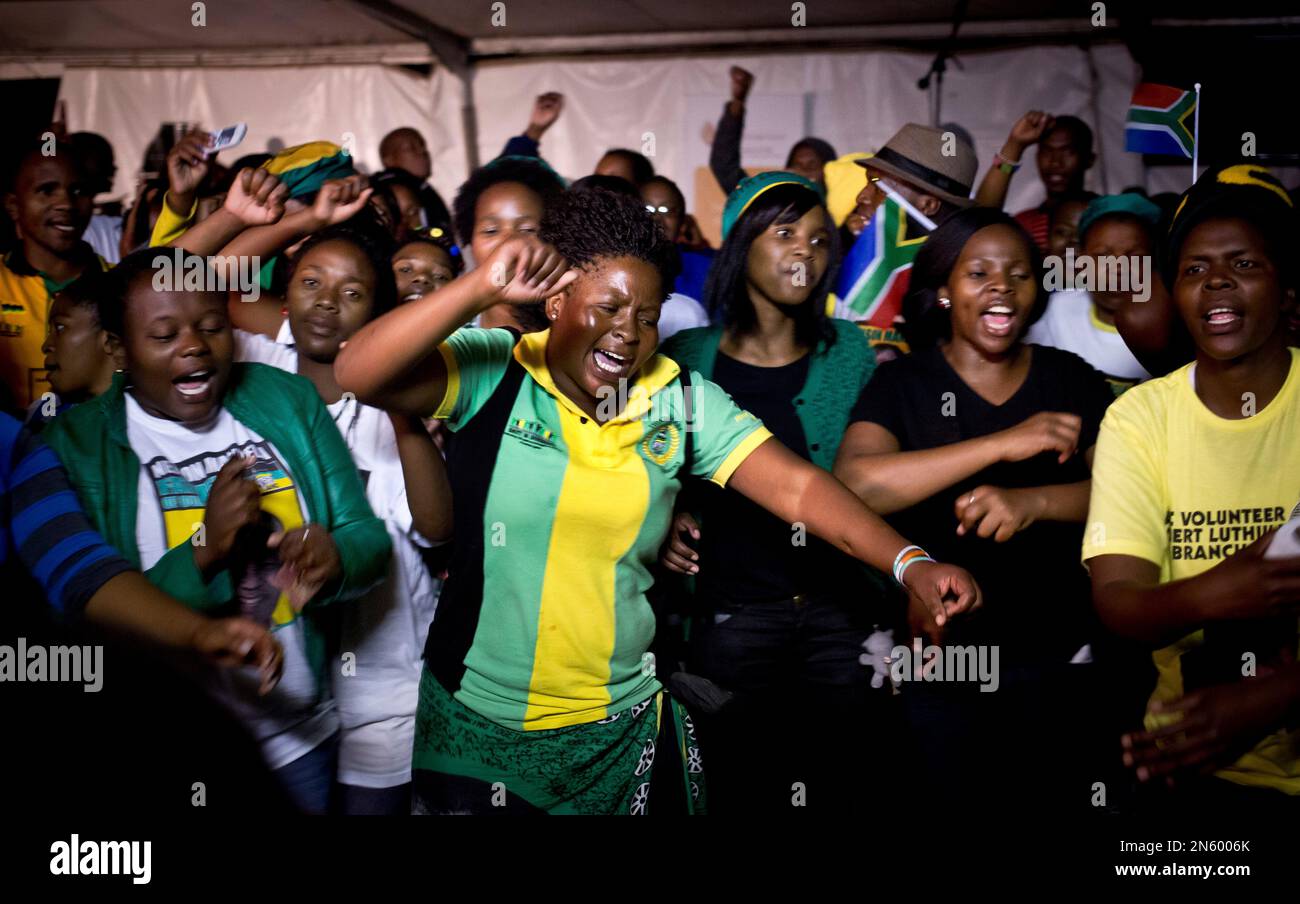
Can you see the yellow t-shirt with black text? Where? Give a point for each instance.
(1177, 485)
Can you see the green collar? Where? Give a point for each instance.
(113, 400)
(711, 341)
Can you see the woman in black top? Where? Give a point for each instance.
(980, 445)
(781, 617)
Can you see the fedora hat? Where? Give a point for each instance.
(915, 155)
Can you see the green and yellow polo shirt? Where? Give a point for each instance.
(544, 620)
(25, 296)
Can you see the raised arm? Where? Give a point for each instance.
(546, 109)
(1025, 133)
(394, 363)
(256, 198)
(336, 201)
(187, 165)
(871, 464)
(724, 156)
(797, 491)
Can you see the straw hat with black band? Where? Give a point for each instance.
(916, 156)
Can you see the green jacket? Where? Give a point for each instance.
(285, 409)
(836, 376)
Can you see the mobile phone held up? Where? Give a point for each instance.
(227, 138)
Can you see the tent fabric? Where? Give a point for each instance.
(665, 106)
(352, 106)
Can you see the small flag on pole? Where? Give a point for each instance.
(876, 273)
(1161, 120)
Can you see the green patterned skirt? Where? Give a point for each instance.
(465, 763)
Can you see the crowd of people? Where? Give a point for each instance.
(538, 503)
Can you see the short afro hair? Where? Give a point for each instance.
(30, 150)
(1079, 131)
(668, 184)
(642, 168)
(617, 184)
(86, 291)
(527, 171)
(592, 225)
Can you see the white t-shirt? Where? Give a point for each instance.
(104, 234)
(259, 349)
(680, 312)
(1070, 323)
(178, 466)
(377, 687)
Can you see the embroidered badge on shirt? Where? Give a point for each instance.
(661, 442)
(531, 433)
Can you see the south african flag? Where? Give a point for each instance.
(1160, 121)
(876, 272)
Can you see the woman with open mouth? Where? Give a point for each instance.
(979, 445)
(228, 484)
(571, 444)
(1196, 481)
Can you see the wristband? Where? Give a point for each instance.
(1002, 163)
(907, 556)
(902, 569)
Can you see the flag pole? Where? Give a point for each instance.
(1196, 131)
(911, 211)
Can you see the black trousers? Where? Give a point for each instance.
(805, 731)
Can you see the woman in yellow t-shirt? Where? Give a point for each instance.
(1193, 472)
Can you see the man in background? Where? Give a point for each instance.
(405, 149)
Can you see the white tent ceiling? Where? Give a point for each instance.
(79, 31)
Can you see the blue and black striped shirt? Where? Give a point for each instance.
(43, 525)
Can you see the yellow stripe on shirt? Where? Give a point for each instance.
(738, 455)
(452, 392)
(601, 508)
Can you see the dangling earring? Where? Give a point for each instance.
(945, 303)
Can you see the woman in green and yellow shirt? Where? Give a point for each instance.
(569, 449)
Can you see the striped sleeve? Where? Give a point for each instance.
(45, 526)
(476, 359)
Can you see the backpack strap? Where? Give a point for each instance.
(688, 410)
